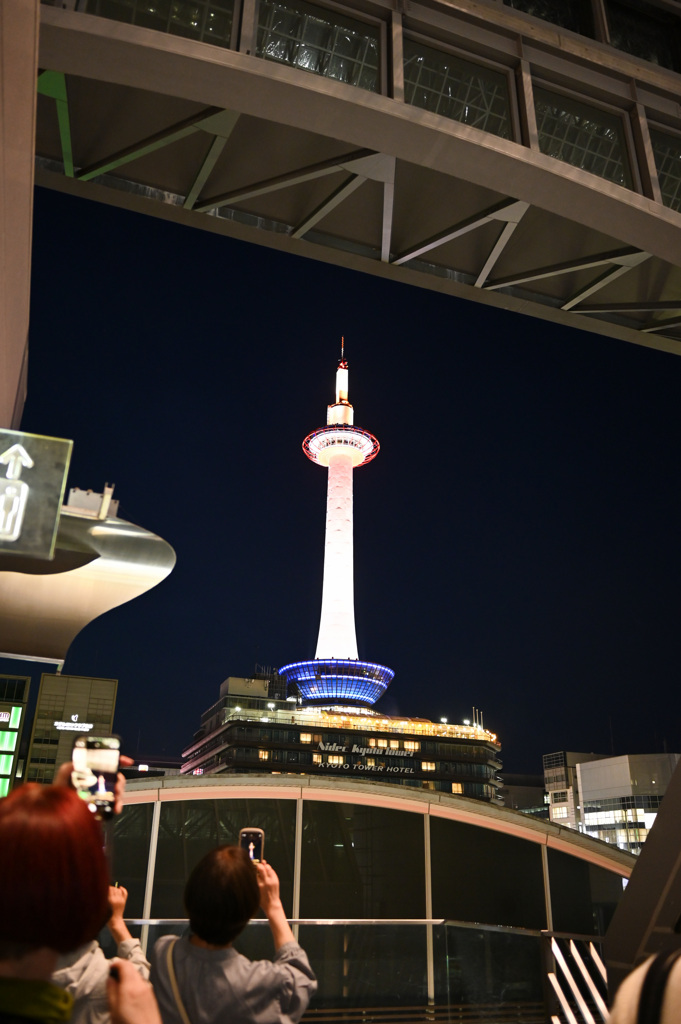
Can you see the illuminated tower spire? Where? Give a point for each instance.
(336, 675)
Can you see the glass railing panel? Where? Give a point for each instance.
(667, 150)
(209, 21)
(455, 88)
(582, 135)
(645, 31)
(321, 41)
(576, 15)
(465, 971)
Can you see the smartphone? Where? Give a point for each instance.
(95, 769)
(252, 840)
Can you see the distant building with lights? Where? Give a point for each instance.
(562, 785)
(622, 795)
(253, 727)
(317, 717)
(13, 703)
(68, 706)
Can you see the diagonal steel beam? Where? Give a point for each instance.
(387, 229)
(261, 188)
(215, 149)
(620, 256)
(334, 200)
(661, 325)
(507, 209)
(501, 243)
(53, 84)
(153, 142)
(606, 278)
(630, 307)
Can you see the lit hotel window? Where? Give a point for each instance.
(412, 745)
(428, 766)
(316, 759)
(394, 744)
(381, 742)
(263, 755)
(306, 737)
(372, 741)
(335, 759)
(371, 761)
(457, 787)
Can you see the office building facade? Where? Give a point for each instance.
(622, 795)
(68, 706)
(13, 704)
(562, 785)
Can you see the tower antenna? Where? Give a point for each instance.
(342, 348)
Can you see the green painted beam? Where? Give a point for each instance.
(149, 145)
(53, 84)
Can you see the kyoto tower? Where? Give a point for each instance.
(336, 676)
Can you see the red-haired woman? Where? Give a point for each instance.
(55, 890)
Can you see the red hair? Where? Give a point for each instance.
(55, 878)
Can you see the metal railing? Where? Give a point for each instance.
(403, 970)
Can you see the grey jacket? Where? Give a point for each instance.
(220, 986)
(84, 972)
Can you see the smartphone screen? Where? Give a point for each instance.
(95, 768)
(252, 840)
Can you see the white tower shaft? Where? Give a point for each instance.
(337, 637)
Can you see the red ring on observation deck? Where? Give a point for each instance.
(338, 435)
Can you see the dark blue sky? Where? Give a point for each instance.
(517, 542)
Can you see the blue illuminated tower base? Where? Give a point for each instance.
(332, 681)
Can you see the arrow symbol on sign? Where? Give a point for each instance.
(16, 458)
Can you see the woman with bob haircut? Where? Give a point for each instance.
(55, 898)
(201, 978)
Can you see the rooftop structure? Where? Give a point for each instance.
(337, 675)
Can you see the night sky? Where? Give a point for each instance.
(517, 540)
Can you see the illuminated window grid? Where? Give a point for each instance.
(428, 766)
(8, 740)
(456, 89)
(316, 759)
(6, 764)
(335, 759)
(457, 787)
(306, 737)
(581, 135)
(371, 762)
(322, 42)
(207, 20)
(264, 755)
(667, 151)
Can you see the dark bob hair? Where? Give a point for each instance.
(222, 895)
(53, 869)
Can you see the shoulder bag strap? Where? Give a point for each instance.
(653, 988)
(173, 983)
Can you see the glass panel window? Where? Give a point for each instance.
(457, 89)
(560, 797)
(576, 15)
(667, 150)
(349, 867)
(381, 742)
(467, 885)
(306, 737)
(428, 766)
(371, 761)
(15, 718)
(558, 812)
(582, 135)
(206, 20)
(324, 42)
(264, 755)
(335, 759)
(457, 787)
(316, 759)
(412, 745)
(645, 31)
(394, 744)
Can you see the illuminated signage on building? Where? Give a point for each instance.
(74, 725)
(4, 716)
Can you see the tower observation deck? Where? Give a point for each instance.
(337, 675)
